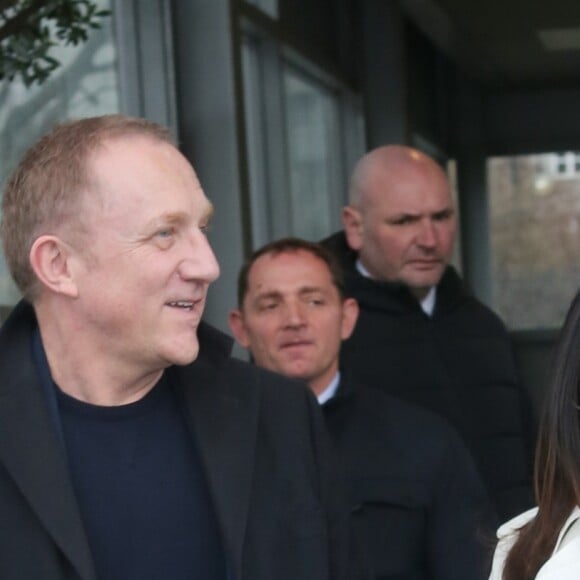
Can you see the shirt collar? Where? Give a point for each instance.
(330, 390)
(362, 270)
(427, 304)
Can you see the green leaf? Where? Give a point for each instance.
(30, 28)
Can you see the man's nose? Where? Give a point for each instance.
(427, 235)
(200, 262)
(294, 314)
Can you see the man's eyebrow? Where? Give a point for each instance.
(402, 215)
(268, 295)
(209, 211)
(445, 213)
(165, 218)
(419, 215)
(310, 290)
(180, 217)
(275, 294)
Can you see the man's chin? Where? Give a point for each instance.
(420, 286)
(183, 356)
(296, 372)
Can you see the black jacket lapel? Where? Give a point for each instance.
(223, 406)
(29, 448)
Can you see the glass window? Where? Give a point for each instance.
(304, 131)
(85, 84)
(535, 237)
(257, 153)
(312, 122)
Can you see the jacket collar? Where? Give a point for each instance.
(344, 393)
(394, 298)
(215, 347)
(222, 400)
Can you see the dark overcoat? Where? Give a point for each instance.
(262, 443)
(458, 363)
(419, 507)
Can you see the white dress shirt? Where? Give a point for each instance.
(329, 391)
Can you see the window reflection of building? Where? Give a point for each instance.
(313, 156)
(556, 165)
(535, 211)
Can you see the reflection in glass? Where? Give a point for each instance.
(84, 85)
(312, 134)
(535, 237)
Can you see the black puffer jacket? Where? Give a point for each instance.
(419, 507)
(458, 362)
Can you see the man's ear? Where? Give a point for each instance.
(353, 227)
(50, 260)
(350, 312)
(238, 328)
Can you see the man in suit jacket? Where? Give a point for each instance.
(419, 507)
(120, 457)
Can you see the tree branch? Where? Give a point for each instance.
(21, 21)
(26, 38)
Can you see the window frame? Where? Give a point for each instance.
(265, 127)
